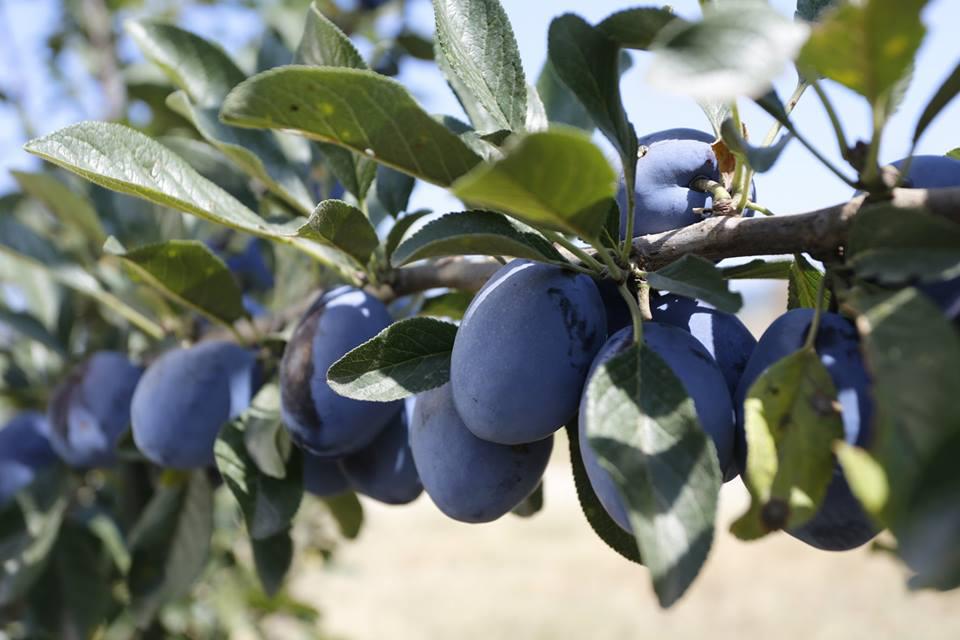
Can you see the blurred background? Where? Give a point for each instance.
(413, 573)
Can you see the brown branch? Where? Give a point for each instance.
(455, 273)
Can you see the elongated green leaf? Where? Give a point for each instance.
(268, 443)
(206, 74)
(342, 226)
(531, 505)
(70, 207)
(597, 517)
(803, 285)
(408, 357)
(170, 544)
(907, 344)
(324, 45)
(268, 503)
(474, 233)
(255, 152)
(555, 179)
(637, 28)
(272, 558)
(761, 159)
(645, 431)
(866, 46)
(867, 479)
(31, 328)
(450, 305)
(757, 43)
(894, 246)
(124, 160)
(588, 63)
(561, 105)
(791, 420)
(189, 273)
(476, 41)
(357, 109)
(694, 277)
(393, 190)
(400, 228)
(348, 512)
(759, 269)
(947, 92)
(954, 153)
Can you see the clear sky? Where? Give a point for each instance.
(796, 183)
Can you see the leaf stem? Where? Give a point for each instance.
(635, 316)
(630, 185)
(582, 255)
(759, 208)
(788, 109)
(834, 120)
(817, 312)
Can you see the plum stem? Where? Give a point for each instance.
(759, 208)
(635, 315)
(582, 255)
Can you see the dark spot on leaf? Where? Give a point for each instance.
(774, 514)
(294, 107)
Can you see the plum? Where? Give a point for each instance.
(384, 469)
(933, 172)
(320, 420)
(701, 379)
(618, 313)
(186, 396)
(523, 349)
(664, 199)
(90, 410)
(469, 479)
(841, 523)
(24, 452)
(250, 268)
(723, 334)
(323, 477)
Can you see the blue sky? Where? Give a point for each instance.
(797, 183)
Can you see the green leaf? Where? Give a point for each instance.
(953, 153)
(255, 152)
(267, 442)
(323, 44)
(597, 517)
(207, 74)
(911, 351)
(866, 46)
(31, 328)
(272, 558)
(408, 357)
(121, 159)
(478, 46)
(356, 109)
(474, 233)
(637, 28)
(811, 10)
(947, 92)
(531, 505)
(450, 305)
(695, 277)
(399, 229)
(187, 272)
(867, 479)
(759, 269)
(588, 63)
(756, 43)
(25, 551)
(348, 512)
(761, 159)
(894, 246)
(342, 226)
(268, 503)
(170, 544)
(803, 285)
(70, 207)
(393, 190)
(555, 179)
(645, 431)
(791, 420)
(561, 105)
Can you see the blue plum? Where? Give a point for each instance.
(469, 479)
(618, 313)
(323, 477)
(24, 452)
(933, 172)
(90, 409)
(701, 378)
(384, 469)
(186, 396)
(523, 349)
(250, 267)
(320, 420)
(841, 523)
(664, 199)
(723, 334)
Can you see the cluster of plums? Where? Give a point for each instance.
(523, 356)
